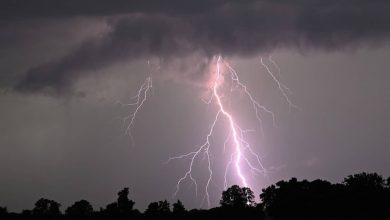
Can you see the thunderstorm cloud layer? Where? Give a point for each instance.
(177, 29)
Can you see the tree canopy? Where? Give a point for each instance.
(46, 207)
(359, 196)
(80, 208)
(237, 197)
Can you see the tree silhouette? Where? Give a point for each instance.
(366, 192)
(164, 206)
(111, 209)
(3, 211)
(80, 208)
(298, 198)
(178, 207)
(236, 197)
(122, 207)
(46, 207)
(365, 181)
(359, 196)
(125, 205)
(152, 208)
(158, 208)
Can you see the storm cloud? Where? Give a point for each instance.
(177, 29)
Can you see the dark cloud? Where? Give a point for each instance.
(22, 9)
(176, 29)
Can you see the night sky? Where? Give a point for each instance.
(65, 65)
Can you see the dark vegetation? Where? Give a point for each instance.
(359, 196)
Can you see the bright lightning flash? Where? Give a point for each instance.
(243, 156)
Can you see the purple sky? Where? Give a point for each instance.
(65, 65)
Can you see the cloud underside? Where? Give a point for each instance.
(176, 30)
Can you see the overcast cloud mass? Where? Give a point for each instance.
(64, 64)
(172, 29)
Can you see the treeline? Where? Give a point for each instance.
(359, 196)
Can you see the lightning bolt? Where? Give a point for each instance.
(282, 88)
(243, 154)
(271, 60)
(138, 102)
(242, 157)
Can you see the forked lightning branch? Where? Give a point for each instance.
(243, 157)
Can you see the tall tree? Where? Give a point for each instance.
(125, 205)
(46, 207)
(237, 197)
(178, 207)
